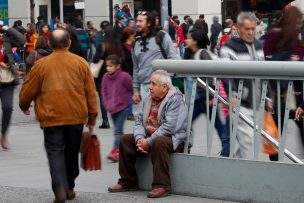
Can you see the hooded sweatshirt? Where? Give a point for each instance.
(145, 52)
(116, 91)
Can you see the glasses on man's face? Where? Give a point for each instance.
(142, 13)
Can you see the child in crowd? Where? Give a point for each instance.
(116, 88)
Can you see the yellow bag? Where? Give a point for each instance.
(271, 129)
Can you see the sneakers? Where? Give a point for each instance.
(105, 125)
(114, 155)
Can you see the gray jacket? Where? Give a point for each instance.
(143, 58)
(172, 118)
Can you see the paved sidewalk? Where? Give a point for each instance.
(24, 173)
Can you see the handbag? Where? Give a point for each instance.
(270, 128)
(6, 76)
(90, 152)
(96, 67)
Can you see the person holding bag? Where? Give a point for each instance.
(6, 94)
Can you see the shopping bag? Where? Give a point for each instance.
(270, 128)
(90, 152)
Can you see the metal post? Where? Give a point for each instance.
(61, 10)
(164, 11)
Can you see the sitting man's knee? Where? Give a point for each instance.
(161, 141)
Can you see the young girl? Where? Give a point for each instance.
(116, 88)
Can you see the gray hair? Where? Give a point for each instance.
(215, 19)
(245, 16)
(164, 77)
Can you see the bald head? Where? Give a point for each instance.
(60, 38)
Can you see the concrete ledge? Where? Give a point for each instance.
(230, 179)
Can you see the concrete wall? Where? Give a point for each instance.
(96, 11)
(43, 2)
(18, 10)
(196, 7)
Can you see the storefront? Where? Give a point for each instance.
(4, 11)
(264, 8)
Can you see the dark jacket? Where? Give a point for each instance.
(36, 55)
(237, 49)
(128, 62)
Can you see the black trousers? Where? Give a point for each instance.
(62, 145)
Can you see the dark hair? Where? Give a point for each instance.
(289, 33)
(126, 33)
(174, 18)
(190, 21)
(89, 22)
(201, 16)
(72, 32)
(177, 22)
(104, 24)
(150, 19)
(200, 37)
(43, 25)
(114, 59)
(42, 43)
(198, 24)
(186, 16)
(112, 43)
(60, 41)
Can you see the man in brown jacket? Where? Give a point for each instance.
(63, 89)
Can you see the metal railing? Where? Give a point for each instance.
(229, 70)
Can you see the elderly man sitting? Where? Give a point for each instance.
(159, 130)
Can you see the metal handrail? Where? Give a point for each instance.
(265, 135)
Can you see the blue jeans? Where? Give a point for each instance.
(181, 50)
(222, 128)
(119, 120)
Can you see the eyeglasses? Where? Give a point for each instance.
(143, 13)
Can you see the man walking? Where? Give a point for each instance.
(63, 89)
(244, 48)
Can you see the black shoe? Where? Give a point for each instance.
(105, 125)
(130, 117)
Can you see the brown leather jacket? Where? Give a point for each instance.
(63, 89)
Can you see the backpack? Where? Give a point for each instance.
(15, 37)
(90, 152)
(159, 37)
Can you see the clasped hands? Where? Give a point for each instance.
(142, 146)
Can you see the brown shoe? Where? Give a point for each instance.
(70, 194)
(121, 188)
(158, 192)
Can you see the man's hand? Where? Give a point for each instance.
(136, 97)
(91, 129)
(299, 113)
(233, 102)
(142, 146)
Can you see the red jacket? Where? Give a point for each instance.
(179, 32)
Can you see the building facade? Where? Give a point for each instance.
(98, 10)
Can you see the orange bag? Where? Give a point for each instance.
(90, 152)
(270, 128)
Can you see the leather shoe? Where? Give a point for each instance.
(121, 188)
(105, 125)
(158, 192)
(70, 194)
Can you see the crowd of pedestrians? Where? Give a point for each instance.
(57, 65)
